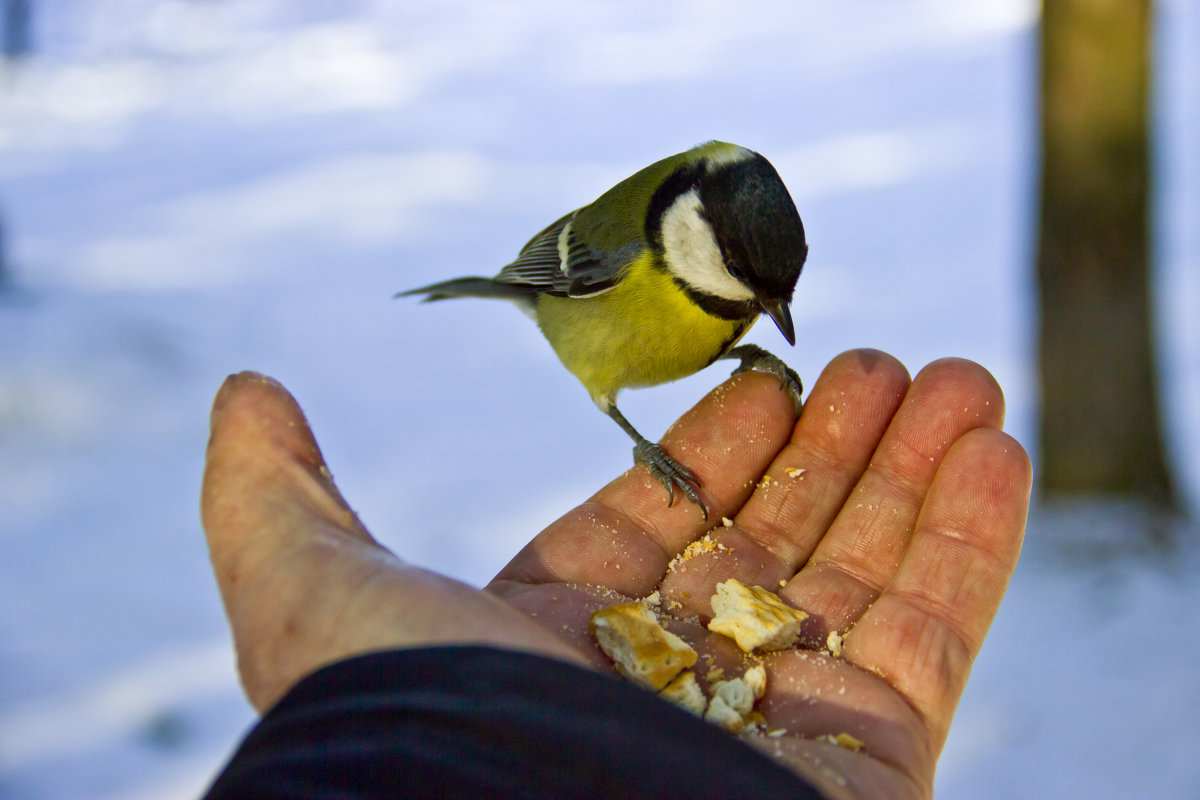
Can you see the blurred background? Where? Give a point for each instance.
(194, 187)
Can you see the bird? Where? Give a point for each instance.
(658, 278)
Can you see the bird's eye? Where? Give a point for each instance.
(736, 272)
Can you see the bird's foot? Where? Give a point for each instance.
(755, 358)
(669, 472)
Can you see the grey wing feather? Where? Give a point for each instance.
(585, 272)
(589, 272)
(538, 265)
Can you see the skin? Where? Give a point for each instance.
(902, 532)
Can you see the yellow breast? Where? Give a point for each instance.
(642, 332)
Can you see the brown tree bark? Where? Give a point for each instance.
(1100, 425)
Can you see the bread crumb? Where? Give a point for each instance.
(732, 703)
(736, 693)
(795, 472)
(756, 679)
(643, 651)
(719, 713)
(833, 643)
(842, 740)
(686, 693)
(755, 723)
(754, 617)
(705, 544)
(727, 522)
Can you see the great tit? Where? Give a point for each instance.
(658, 278)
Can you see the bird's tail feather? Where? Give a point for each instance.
(470, 287)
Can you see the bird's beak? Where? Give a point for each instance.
(781, 315)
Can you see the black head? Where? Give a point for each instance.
(727, 230)
(756, 225)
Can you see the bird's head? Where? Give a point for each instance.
(728, 232)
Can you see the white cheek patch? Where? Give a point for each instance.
(692, 253)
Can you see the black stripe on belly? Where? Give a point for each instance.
(731, 341)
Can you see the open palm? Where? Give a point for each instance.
(892, 512)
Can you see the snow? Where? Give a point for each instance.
(189, 189)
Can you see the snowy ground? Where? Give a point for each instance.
(193, 188)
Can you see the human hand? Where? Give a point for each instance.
(903, 528)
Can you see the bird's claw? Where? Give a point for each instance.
(754, 357)
(669, 472)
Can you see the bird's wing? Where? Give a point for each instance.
(583, 271)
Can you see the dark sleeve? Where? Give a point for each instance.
(488, 723)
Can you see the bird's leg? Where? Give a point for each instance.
(754, 357)
(667, 470)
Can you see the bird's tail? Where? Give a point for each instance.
(471, 287)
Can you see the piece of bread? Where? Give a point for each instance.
(754, 617)
(686, 693)
(643, 651)
(733, 700)
(651, 656)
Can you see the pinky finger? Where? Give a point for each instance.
(925, 630)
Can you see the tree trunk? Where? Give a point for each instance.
(1100, 431)
(16, 42)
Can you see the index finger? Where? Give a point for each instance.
(625, 536)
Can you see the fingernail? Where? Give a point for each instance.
(228, 387)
